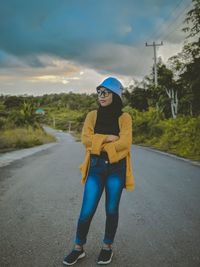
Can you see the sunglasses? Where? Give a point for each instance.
(104, 93)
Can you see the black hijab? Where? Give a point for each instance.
(107, 117)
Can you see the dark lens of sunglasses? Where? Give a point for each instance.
(103, 93)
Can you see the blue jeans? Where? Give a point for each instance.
(101, 175)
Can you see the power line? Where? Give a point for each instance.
(172, 14)
(172, 24)
(174, 28)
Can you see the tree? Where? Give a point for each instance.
(163, 96)
(186, 64)
(193, 20)
(25, 116)
(139, 99)
(13, 102)
(136, 97)
(166, 81)
(192, 50)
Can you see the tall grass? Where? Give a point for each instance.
(23, 138)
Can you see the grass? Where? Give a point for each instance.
(17, 138)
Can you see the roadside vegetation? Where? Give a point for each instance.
(17, 138)
(20, 126)
(180, 136)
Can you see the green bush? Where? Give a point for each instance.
(180, 136)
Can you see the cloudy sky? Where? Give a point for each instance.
(53, 46)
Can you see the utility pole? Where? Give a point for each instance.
(155, 60)
(69, 129)
(54, 121)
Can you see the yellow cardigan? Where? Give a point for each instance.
(116, 150)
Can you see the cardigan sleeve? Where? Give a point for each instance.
(124, 142)
(90, 140)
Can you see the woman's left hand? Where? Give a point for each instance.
(111, 138)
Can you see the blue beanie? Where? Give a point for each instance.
(113, 85)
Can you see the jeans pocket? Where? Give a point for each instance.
(123, 164)
(93, 161)
(119, 167)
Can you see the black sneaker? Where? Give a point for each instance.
(105, 256)
(74, 256)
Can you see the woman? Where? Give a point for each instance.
(107, 137)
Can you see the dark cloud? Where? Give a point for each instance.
(81, 31)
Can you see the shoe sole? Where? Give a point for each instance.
(106, 262)
(80, 257)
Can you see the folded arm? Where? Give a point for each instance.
(90, 140)
(123, 143)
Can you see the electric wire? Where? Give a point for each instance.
(174, 14)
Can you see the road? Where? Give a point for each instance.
(41, 195)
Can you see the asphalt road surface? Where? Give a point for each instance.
(41, 195)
